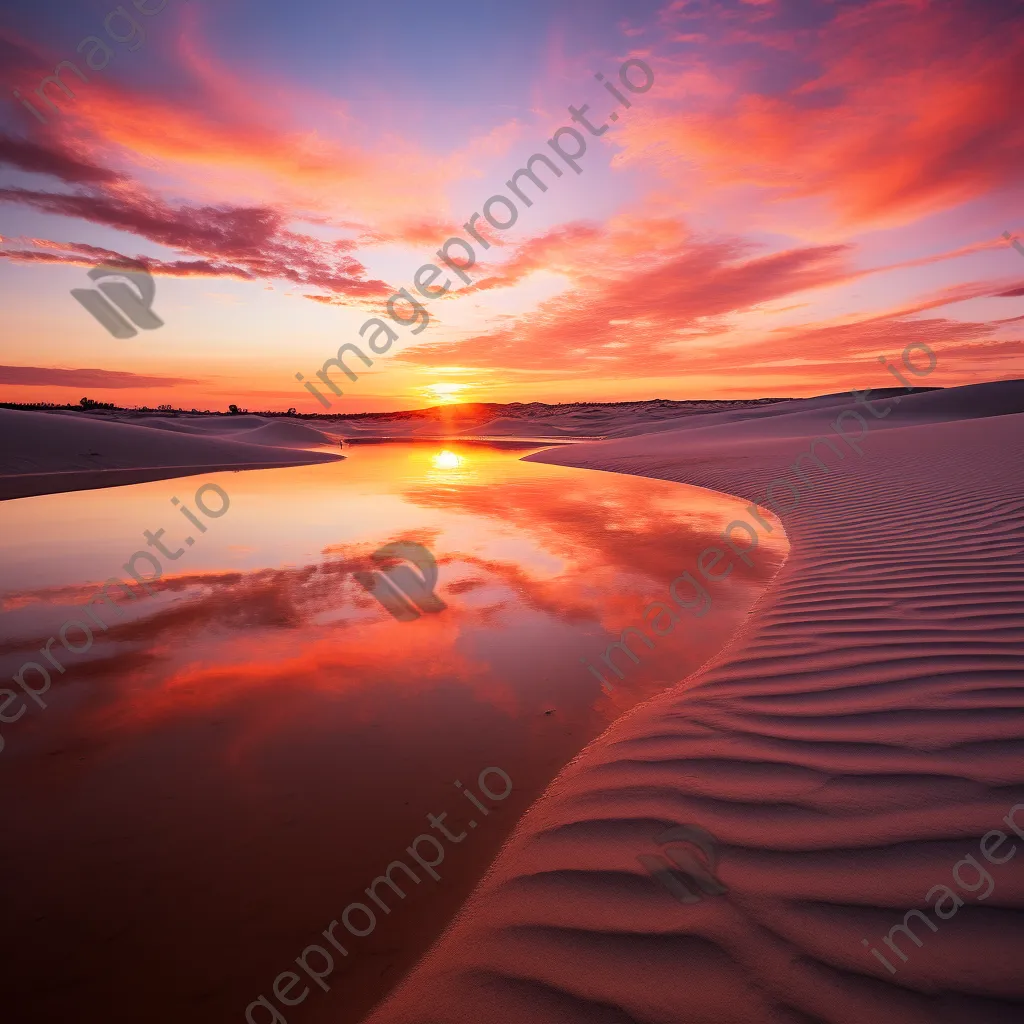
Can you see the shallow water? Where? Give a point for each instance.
(238, 756)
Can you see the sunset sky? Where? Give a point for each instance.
(806, 185)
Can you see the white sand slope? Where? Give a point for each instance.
(849, 747)
(48, 452)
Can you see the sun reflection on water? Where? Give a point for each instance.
(447, 460)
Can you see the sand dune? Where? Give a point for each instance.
(851, 745)
(44, 452)
(283, 433)
(535, 419)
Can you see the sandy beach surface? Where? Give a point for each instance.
(857, 741)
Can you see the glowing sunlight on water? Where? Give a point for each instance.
(447, 460)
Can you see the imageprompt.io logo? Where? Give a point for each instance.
(134, 303)
(1013, 241)
(400, 590)
(699, 873)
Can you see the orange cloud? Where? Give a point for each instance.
(670, 300)
(667, 312)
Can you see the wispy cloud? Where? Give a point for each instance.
(73, 378)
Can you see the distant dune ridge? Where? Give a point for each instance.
(521, 419)
(860, 735)
(48, 452)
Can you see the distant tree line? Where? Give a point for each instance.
(89, 404)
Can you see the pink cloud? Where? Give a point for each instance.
(902, 109)
(244, 242)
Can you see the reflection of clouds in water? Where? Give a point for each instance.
(286, 666)
(607, 547)
(231, 635)
(463, 586)
(285, 598)
(532, 559)
(607, 525)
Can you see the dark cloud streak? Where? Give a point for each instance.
(28, 376)
(246, 242)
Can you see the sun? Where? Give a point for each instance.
(444, 393)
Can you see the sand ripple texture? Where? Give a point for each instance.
(852, 743)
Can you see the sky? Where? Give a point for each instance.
(796, 188)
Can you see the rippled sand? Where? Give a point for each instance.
(856, 739)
